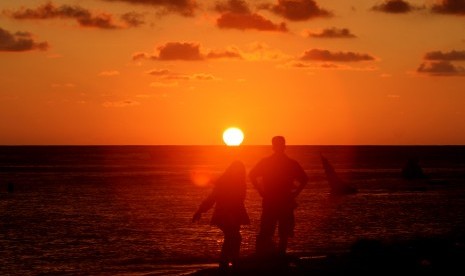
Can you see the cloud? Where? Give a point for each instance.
(244, 21)
(232, 53)
(49, 10)
(297, 64)
(438, 63)
(331, 33)
(298, 10)
(456, 7)
(19, 42)
(159, 72)
(124, 103)
(182, 7)
(133, 19)
(327, 66)
(325, 55)
(179, 51)
(441, 68)
(187, 51)
(166, 76)
(234, 6)
(84, 17)
(236, 14)
(102, 21)
(140, 56)
(449, 56)
(203, 77)
(394, 6)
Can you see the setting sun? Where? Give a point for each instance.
(233, 136)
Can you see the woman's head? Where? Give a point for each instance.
(236, 170)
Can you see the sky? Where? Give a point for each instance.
(179, 72)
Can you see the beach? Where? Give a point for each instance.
(128, 211)
(421, 256)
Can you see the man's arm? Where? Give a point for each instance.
(299, 189)
(257, 185)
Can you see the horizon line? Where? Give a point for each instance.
(219, 145)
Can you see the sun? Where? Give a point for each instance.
(233, 136)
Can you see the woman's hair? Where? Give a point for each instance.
(236, 171)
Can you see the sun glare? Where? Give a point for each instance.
(233, 136)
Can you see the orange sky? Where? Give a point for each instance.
(180, 72)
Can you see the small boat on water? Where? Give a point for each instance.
(412, 172)
(336, 184)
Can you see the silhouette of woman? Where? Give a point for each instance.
(228, 197)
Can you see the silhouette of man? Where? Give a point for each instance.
(274, 178)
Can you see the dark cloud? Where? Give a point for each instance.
(438, 63)
(140, 56)
(244, 21)
(186, 51)
(450, 56)
(133, 19)
(325, 55)
(102, 21)
(298, 10)
(179, 51)
(394, 6)
(183, 7)
(49, 10)
(189, 51)
(333, 33)
(456, 7)
(236, 14)
(441, 68)
(173, 51)
(19, 42)
(84, 17)
(234, 6)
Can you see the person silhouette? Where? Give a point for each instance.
(228, 196)
(274, 178)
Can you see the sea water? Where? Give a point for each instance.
(127, 210)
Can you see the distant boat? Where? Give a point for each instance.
(412, 170)
(336, 184)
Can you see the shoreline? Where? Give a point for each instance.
(418, 256)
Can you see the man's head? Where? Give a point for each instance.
(279, 144)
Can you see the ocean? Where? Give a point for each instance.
(127, 210)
